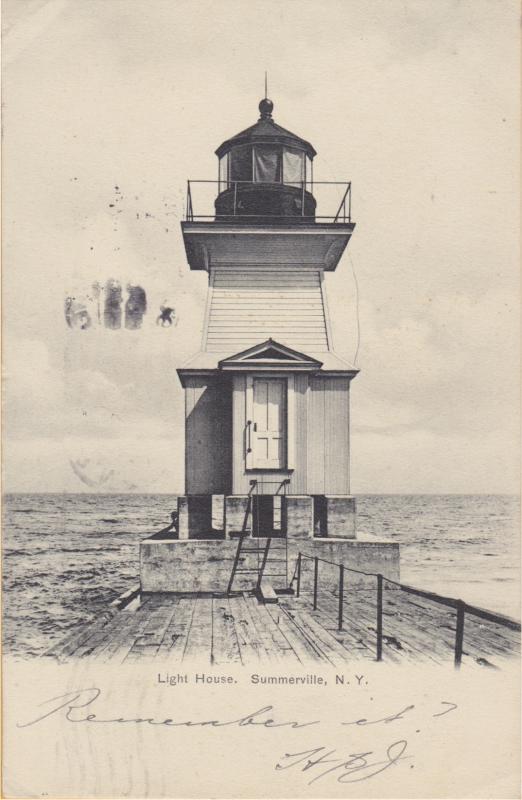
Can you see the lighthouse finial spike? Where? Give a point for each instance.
(266, 106)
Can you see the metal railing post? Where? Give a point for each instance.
(459, 633)
(341, 595)
(316, 576)
(298, 588)
(379, 617)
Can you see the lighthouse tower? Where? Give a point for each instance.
(267, 422)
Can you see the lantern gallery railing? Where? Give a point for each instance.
(228, 200)
(461, 608)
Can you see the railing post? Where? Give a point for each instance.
(379, 617)
(459, 633)
(316, 576)
(235, 197)
(350, 203)
(341, 595)
(298, 588)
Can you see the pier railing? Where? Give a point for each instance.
(461, 608)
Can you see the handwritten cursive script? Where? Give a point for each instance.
(354, 768)
(71, 702)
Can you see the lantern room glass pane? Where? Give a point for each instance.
(223, 173)
(293, 167)
(309, 174)
(241, 163)
(267, 164)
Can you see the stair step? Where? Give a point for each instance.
(266, 593)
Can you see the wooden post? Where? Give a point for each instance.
(341, 595)
(298, 575)
(379, 617)
(316, 576)
(459, 633)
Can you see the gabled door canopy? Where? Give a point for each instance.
(270, 355)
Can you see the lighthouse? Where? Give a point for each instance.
(267, 398)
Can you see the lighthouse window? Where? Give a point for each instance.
(241, 164)
(267, 164)
(309, 174)
(223, 173)
(293, 167)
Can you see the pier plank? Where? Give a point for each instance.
(336, 652)
(225, 643)
(146, 646)
(305, 649)
(251, 648)
(100, 637)
(124, 636)
(279, 641)
(400, 642)
(199, 635)
(174, 639)
(246, 626)
(275, 642)
(358, 633)
(62, 651)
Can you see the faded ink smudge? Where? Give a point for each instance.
(135, 307)
(113, 300)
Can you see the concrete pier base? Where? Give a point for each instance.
(340, 516)
(235, 510)
(185, 565)
(297, 516)
(195, 516)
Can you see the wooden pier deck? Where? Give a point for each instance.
(238, 629)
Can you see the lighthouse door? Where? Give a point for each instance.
(269, 423)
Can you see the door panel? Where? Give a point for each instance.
(269, 423)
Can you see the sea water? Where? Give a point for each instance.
(65, 557)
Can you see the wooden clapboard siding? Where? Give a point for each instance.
(328, 443)
(315, 438)
(239, 480)
(250, 305)
(336, 435)
(208, 434)
(299, 478)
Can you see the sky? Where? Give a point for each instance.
(110, 106)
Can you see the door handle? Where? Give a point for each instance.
(249, 442)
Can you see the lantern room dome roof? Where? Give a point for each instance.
(266, 131)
